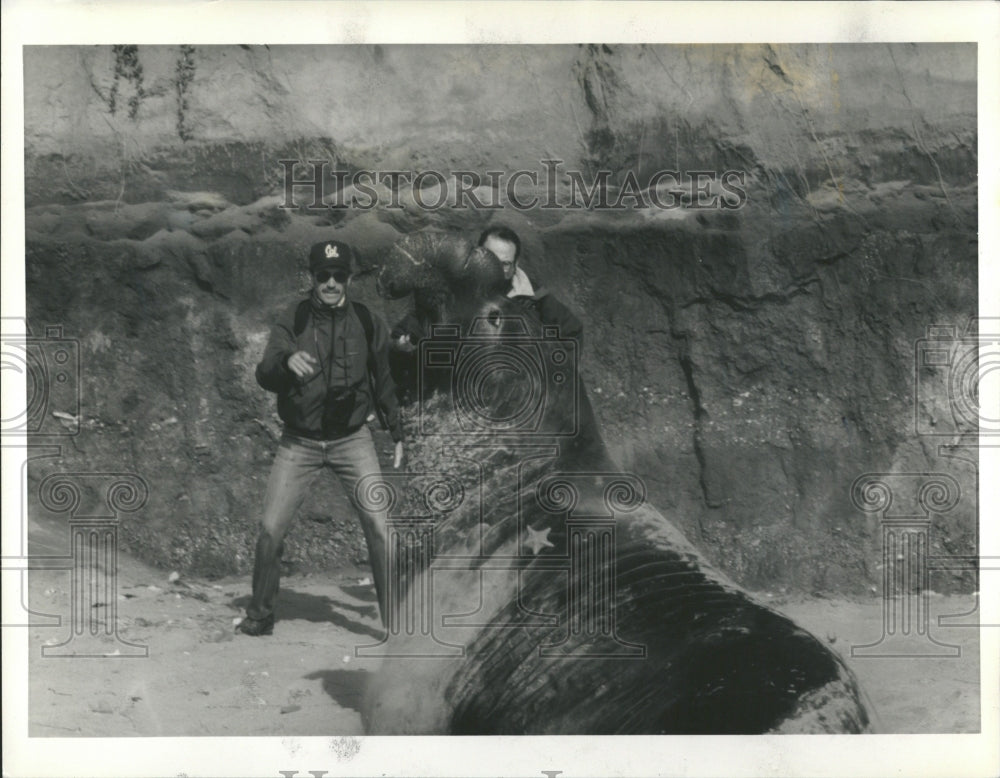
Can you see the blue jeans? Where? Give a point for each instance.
(295, 467)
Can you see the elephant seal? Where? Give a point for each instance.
(547, 596)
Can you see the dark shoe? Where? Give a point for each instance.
(256, 627)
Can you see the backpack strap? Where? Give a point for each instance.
(369, 327)
(301, 317)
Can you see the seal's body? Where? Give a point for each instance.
(559, 601)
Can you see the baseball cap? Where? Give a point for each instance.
(330, 255)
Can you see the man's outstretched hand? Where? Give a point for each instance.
(302, 363)
(397, 458)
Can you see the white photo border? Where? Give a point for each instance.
(252, 21)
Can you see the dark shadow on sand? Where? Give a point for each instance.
(359, 592)
(346, 687)
(293, 604)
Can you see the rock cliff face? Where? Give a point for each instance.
(748, 359)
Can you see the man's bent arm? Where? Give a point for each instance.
(552, 311)
(272, 371)
(385, 387)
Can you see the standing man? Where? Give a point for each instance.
(327, 362)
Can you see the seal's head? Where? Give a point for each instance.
(480, 275)
(449, 277)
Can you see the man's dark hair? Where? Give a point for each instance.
(502, 233)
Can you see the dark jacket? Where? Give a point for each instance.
(336, 339)
(553, 313)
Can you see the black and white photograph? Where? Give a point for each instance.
(380, 373)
